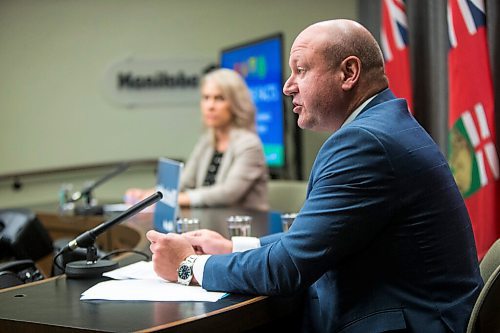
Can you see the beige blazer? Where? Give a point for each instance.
(242, 176)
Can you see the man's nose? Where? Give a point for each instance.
(289, 88)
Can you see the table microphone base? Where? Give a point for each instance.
(82, 269)
(89, 210)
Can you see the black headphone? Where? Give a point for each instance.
(18, 272)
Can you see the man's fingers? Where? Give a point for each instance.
(194, 233)
(153, 236)
(193, 239)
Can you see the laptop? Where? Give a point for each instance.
(168, 182)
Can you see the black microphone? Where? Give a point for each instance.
(86, 192)
(91, 267)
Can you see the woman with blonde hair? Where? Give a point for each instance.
(227, 166)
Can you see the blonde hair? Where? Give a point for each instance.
(236, 92)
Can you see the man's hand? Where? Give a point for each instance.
(208, 242)
(169, 250)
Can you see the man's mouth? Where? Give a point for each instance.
(296, 107)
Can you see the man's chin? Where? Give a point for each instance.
(303, 123)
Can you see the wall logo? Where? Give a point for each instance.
(159, 80)
(134, 82)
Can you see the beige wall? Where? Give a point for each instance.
(53, 56)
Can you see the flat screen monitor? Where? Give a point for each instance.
(260, 62)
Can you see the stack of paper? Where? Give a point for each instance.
(139, 282)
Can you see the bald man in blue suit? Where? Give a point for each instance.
(383, 242)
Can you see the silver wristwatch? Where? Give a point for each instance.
(185, 270)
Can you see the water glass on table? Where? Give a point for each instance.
(239, 225)
(187, 224)
(287, 220)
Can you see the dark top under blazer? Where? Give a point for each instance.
(383, 241)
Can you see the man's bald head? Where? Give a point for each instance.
(335, 66)
(342, 38)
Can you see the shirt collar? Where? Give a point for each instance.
(353, 115)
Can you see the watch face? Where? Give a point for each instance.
(184, 272)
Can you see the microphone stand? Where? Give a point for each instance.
(88, 208)
(92, 267)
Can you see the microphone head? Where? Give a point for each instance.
(76, 196)
(69, 247)
(86, 240)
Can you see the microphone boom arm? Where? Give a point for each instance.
(88, 238)
(86, 191)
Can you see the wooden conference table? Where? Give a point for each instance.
(53, 304)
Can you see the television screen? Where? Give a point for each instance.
(260, 63)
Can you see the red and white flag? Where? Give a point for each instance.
(394, 42)
(472, 152)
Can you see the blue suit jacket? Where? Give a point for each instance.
(383, 241)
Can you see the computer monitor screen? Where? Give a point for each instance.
(260, 62)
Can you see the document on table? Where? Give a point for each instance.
(139, 282)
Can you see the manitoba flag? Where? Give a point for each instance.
(472, 152)
(394, 42)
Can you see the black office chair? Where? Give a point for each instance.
(23, 239)
(22, 235)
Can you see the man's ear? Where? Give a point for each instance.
(351, 68)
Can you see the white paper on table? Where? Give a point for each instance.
(148, 290)
(139, 282)
(140, 270)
